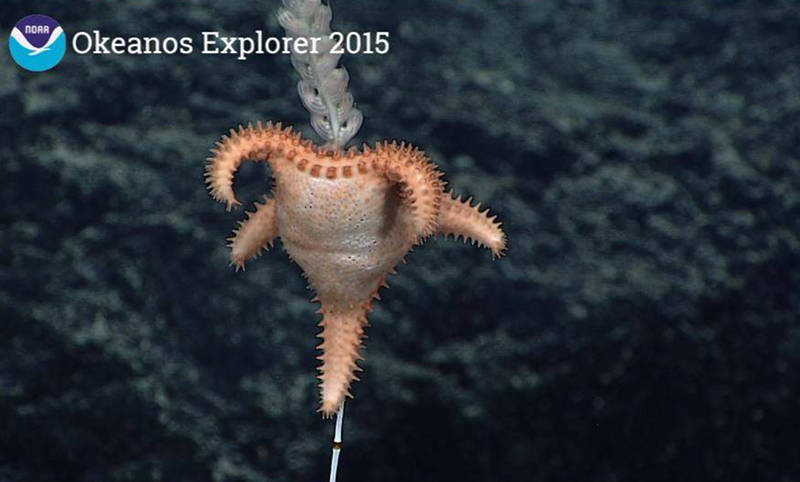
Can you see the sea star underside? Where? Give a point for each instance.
(347, 218)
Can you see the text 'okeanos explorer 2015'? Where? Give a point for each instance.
(212, 43)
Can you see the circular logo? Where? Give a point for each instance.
(37, 43)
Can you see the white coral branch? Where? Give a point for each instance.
(323, 85)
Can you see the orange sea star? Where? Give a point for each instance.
(347, 219)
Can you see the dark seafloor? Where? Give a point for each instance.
(643, 327)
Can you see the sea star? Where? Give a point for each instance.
(347, 218)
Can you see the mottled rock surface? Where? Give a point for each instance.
(644, 325)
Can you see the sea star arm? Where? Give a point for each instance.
(248, 143)
(255, 233)
(419, 182)
(458, 218)
(342, 335)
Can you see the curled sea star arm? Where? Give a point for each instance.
(458, 218)
(249, 143)
(254, 234)
(419, 182)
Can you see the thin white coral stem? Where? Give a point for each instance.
(337, 443)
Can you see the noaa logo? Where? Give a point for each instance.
(37, 43)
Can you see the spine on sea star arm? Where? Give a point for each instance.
(342, 333)
(458, 218)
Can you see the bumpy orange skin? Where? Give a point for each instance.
(347, 219)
